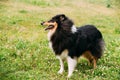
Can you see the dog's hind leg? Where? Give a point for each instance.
(88, 56)
(94, 62)
(71, 65)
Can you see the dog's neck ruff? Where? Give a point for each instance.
(50, 33)
(73, 29)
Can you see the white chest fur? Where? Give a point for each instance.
(49, 35)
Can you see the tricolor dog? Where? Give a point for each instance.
(69, 42)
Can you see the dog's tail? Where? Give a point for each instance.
(99, 48)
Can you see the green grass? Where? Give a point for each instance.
(24, 51)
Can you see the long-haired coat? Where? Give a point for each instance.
(69, 42)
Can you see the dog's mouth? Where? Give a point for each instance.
(49, 27)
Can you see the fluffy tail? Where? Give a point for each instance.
(98, 48)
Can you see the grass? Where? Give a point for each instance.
(24, 51)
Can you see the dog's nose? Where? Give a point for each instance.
(42, 23)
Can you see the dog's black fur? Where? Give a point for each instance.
(69, 42)
(86, 38)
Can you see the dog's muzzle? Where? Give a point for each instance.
(50, 25)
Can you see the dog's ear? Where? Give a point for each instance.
(62, 17)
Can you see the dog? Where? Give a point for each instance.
(69, 42)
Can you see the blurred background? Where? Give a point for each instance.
(24, 51)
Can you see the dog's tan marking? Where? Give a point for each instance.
(49, 23)
(51, 31)
(55, 26)
(90, 57)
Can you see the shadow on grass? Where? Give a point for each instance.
(83, 66)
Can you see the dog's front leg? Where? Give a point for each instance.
(61, 65)
(71, 65)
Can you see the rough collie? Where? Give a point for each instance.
(69, 42)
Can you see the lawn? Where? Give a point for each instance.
(24, 51)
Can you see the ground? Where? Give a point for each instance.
(24, 51)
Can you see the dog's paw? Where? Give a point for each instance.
(60, 71)
(69, 75)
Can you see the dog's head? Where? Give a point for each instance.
(56, 21)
